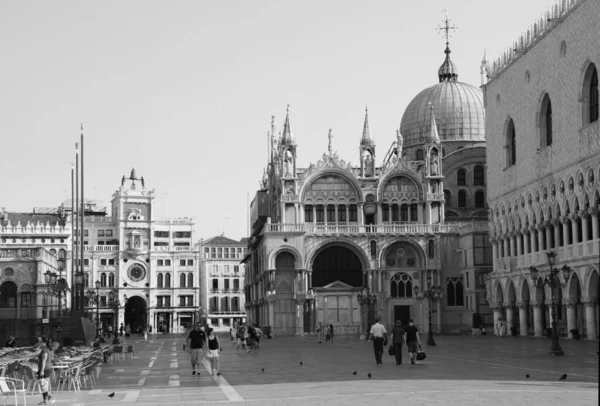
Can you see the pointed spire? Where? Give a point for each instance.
(433, 132)
(288, 138)
(366, 135)
(448, 70)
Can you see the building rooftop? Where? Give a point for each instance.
(221, 240)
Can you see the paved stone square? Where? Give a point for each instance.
(461, 370)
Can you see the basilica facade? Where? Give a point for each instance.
(544, 186)
(400, 237)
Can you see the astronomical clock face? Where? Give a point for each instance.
(136, 273)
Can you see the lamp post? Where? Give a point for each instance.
(57, 285)
(115, 304)
(553, 281)
(94, 297)
(432, 293)
(367, 299)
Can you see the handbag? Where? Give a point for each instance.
(421, 354)
(392, 350)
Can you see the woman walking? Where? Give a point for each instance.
(214, 348)
(45, 369)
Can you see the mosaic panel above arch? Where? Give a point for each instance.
(402, 255)
(400, 187)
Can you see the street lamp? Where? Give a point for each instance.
(57, 285)
(94, 297)
(551, 280)
(367, 300)
(432, 293)
(115, 304)
(78, 287)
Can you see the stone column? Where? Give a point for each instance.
(506, 246)
(511, 240)
(300, 316)
(593, 211)
(575, 226)
(540, 228)
(555, 223)
(494, 248)
(532, 238)
(548, 226)
(566, 224)
(538, 328)
(571, 316)
(526, 240)
(590, 318)
(523, 325)
(509, 306)
(519, 239)
(497, 309)
(584, 229)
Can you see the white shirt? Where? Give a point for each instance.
(377, 330)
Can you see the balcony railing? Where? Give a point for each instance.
(101, 248)
(34, 229)
(29, 253)
(347, 229)
(180, 220)
(171, 248)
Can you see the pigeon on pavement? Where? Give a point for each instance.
(300, 362)
(112, 395)
(527, 376)
(354, 373)
(563, 377)
(262, 370)
(369, 375)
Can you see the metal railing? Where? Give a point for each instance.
(329, 229)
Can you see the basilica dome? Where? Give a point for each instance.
(458, 109)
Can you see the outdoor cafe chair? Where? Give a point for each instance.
(12, 387)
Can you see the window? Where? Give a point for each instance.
(190, 282)
(594, 96)
(330, 213)
(404, 212)
(308, 213)
(25, 299)
(181, 244)
(385, 212)
(226, 269)
(236, 284)
(478, 176)
(190, 262)
(395, 212)
(167, 262)
(111, 280)
(448, 198)
(419, 156)
(182, 262)
(236, 269)
(226, 285)
(590, 95)
(86, 279)
(86, 262)
(511, 144)
(161, 244)
(401, 285)
(104, 262)
(413, 212)
(159, 280)
(163, 301)
(108, 233)
(483, 249)
(479, 199)
(342, 213)
(462, 198)
(182, 234)
(373, 250)
(86, 233)
(182, 280)
(461, 177)
(111, 261)
(454, 292)
(103, 279)
(320, 212)
(102, 301)
(167, 280)
(215, 269)
(100, 233)
(353, 213)
(215, 284)
(430, 249)
(546, 122)
(102, 243)
(161, 234)
(159, 262)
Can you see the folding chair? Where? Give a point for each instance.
(12, 387)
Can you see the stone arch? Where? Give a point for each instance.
(587, 69)
(285, 269)
(417, 249)
(592, 285)
(8, 294)
(332, 173)
(347, 263)
(574, 288)
(498, 293)
(525, 295)
(385, 181)
(285, 248)
(136, 312)
(540, 292)
(511, 294)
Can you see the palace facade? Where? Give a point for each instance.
(335, 243)
(544, 172)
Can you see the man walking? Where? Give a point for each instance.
(195, 342)
(412, 341)
(398, 337)
(378, 335)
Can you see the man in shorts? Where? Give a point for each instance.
(44, 374)
(195, 344)
(412, 341)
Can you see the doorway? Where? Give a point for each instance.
(135, 314)
(402, 313)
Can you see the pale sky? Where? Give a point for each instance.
(184, 90)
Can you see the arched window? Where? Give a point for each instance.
(395, 212)
(401, 285)
(404, 212)
(353, 213)
(454, 292)
(590, 95)
(320, 213)
(546, 122)
(448, 198)
(308, 213)
(462, 198)
(330, 213)
(511, 144)
(159, 280)
(190, 282)
(461, 177)
(167, 280)
(111, 280)
(342, 213)
(413, 212)
(373, 250)
(103, 279)
(479, 199)
(419, 156)
(8, 295)
(182, 280)
(430, 249)
(385, 212)
(478, 176)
